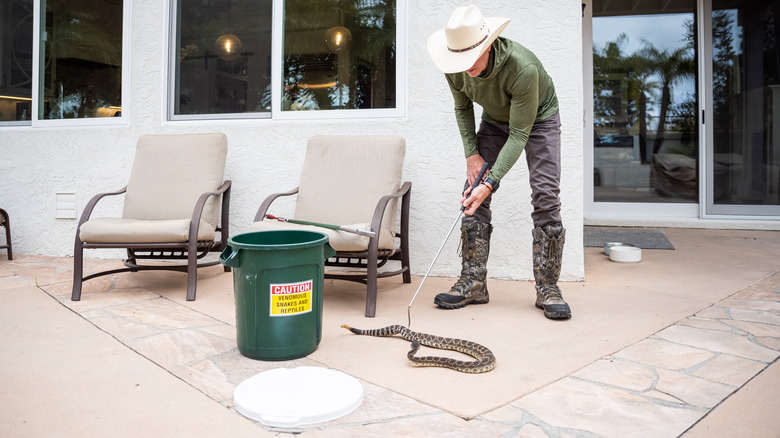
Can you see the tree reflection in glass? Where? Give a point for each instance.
(82, 61)
(644, 108)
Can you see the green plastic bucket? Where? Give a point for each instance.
(278, 279)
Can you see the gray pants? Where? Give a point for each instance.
(543, 155)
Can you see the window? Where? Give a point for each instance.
(339, 55)
(16, 44)
(260, 59)
(81, 59)
(66, 64)
(223, 57)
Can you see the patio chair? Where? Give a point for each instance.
(353, 181)
(170, 211)
(5, 222)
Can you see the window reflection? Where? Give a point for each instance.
(645, 108)
(82, 59)
(339, 54)
(746, 103)
(16, 39)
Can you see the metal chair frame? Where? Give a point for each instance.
(5, 222)
(191, 250)
(373, 258)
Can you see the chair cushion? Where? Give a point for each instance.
(169, 174)
(339, 240)
(116, 230)
(343, 178)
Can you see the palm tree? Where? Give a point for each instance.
(643, 86)
(671, 67)
(635, 73)
(607, 62)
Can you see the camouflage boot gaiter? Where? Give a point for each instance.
(548, 255)
(471, 287)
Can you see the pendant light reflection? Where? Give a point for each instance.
(338, 39)
(228, 47)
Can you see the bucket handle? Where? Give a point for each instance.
(229, 257)
(328, 250)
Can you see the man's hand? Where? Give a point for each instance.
(471, 203)
(473, 166)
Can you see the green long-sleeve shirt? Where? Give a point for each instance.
(517, 90)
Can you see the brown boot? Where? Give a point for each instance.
(471, 287)
(548, 254)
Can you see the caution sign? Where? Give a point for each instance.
(291, 298)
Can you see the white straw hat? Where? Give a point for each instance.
(467, 36)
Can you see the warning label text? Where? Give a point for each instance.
(291, 298)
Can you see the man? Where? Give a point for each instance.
(520, 112)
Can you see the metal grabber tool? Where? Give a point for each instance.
(317, 224)
(460, 213)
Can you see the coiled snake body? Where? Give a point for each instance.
(485, 361)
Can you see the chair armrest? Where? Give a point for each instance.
(224, 223)
(91, 205)
(379, 212)
(198, 211)
(267, 203)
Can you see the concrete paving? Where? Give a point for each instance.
(684, 343)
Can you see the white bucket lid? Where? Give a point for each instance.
(290, 397)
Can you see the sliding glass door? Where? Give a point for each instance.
(743, 148)
(682, 97)
(645, 118)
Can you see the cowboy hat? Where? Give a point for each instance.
(467, 36)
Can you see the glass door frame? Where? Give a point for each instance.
(707, 171)
(607, 212)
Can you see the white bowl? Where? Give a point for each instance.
(625, 254)
(609, 245)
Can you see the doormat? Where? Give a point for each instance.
(640, 237)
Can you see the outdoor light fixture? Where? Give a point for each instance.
(338, 38)
(228, 47)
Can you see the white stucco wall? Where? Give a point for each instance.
(265, 156)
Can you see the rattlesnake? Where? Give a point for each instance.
(485, 361)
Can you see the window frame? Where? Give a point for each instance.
(123, 119)
(277, 41)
